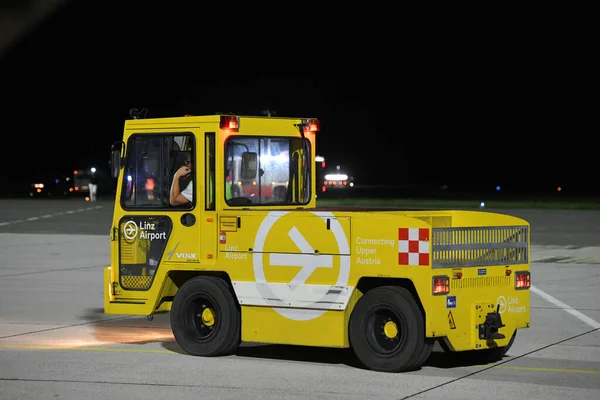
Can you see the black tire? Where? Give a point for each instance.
(200, 331)
(378, 351)
(427, 350)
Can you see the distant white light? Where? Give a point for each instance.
(319, 158)
(336, 177)
(93, 169)
(482, 204)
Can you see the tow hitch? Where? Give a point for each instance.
(489, 329)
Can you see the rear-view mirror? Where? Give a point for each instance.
(115, 163)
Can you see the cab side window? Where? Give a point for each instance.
(152, 161)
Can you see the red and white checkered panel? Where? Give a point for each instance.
(413, 246)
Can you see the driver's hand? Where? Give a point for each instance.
(182, 171)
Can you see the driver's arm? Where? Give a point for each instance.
(175, 196)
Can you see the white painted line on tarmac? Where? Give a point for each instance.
(50, 215)
(582, 317)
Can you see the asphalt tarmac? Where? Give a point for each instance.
(55, 341)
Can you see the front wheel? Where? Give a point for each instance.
(205, 318)
(387, 330)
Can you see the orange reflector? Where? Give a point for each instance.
(209, 219)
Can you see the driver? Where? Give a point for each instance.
(177, 196)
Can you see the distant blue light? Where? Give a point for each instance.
(497, 187)
(56, 181)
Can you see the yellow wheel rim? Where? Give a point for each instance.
(208, 317)
(390, 329)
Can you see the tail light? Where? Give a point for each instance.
(522, 280)
(440, 285)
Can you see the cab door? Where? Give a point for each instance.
(192, 244)
(152, 236)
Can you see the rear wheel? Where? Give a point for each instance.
(205, 318)
(427, 349)
(387, 330)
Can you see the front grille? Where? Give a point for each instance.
(480, 246)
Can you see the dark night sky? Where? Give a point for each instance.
(398, 106)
